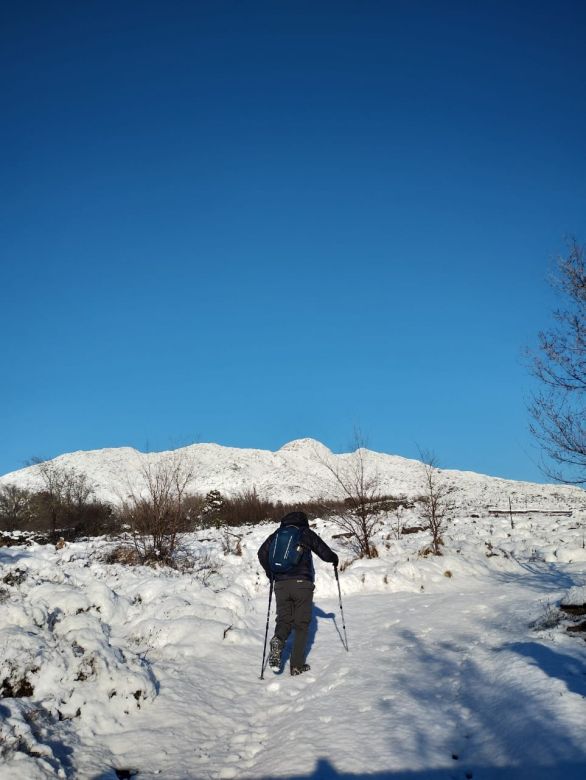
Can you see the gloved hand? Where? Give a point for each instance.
(336, 560)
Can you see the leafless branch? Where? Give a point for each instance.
(558, 411)
(437, 505)
(360, 486)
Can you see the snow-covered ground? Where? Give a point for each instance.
(458, 666)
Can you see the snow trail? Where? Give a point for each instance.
(433, 682)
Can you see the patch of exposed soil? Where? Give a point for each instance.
(15, 577)
(16, 689)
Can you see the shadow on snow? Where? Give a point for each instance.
(324, 770)
(570, 670)
(539, 576)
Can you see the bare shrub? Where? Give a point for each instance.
(398, 522)
(232, 543)
(204, 569)
(246, 508)
(436, 503)
(157, 516)
(123, 553)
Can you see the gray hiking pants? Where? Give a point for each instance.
(294, 610)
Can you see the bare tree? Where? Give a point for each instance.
(158, 515)
(558, 410)
(360, 485)
(398, 523)
(15, 507)
(64, 490)
(436, 501)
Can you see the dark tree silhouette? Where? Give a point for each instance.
(557, 409)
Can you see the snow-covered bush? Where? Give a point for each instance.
(575, 597)
(56, 646)
(24, 750)
(211, 510)
(549, 618)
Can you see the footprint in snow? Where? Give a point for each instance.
(227, 773)
(241, 739)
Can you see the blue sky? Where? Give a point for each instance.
(248, 222)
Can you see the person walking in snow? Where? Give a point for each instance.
(294, 585)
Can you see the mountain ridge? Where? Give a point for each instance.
(296, 472)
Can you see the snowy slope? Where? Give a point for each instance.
(457, 667)
(293, 473)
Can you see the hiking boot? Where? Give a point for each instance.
(295, 670)
(275, 650)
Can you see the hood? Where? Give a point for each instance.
(296, 518)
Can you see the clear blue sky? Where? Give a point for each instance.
(249, 222)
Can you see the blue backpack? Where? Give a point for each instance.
(285, 550)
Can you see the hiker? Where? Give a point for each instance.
(293, 585)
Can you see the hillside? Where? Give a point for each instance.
(293, 473)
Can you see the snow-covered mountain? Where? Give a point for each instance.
(295, 472)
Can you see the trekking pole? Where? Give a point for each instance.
(341, 609)
(264, 652)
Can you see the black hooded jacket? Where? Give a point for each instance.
(310, 542)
